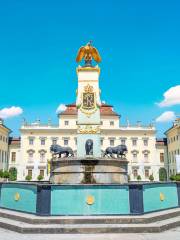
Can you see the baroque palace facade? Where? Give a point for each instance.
(4, 147)
(30, 154)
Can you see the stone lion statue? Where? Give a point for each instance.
(119, 150)
(57, 149)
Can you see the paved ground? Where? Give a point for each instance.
(173, 234)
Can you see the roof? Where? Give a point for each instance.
(3, 126)
(14, 141)
(161, 141)
(176, 124)
(105, 110)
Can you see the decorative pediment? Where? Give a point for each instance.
(30, 151)
(135, 151)
(145, 151)
(42, 151)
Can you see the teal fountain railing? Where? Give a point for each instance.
(126, 199)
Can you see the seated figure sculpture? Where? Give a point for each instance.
(89, 147)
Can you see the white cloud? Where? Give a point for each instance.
(62, 107)
(171, 97)
(10, 112)
(167, 116)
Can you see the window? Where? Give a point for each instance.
(135, 173)
(161, 157)
(42, 156)
(145, 142)
(30, 172)
(134, 156)
(123, 141)
(66, 123)
(101, 142)
(66, 142)
(111, 123)
(134, 142)
(111, 142)
(146, 173)
(101, 123)
(31, 156)
(41, 172)
(43, 141)
(54, 141)
(146, 157)
(13, 156)
(31, 141)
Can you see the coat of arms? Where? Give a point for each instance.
(88, 100)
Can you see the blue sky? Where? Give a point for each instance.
(139, 42)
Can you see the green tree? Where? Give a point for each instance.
(1, 173)
(162, 174)
(177, 177)
(40, 177)
(6, 174)
(13, 174)
(139, 178)
(151, 178)
(173, 178)
(28, 178)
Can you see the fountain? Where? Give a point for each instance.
(91, 165)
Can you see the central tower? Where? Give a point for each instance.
(88, 104)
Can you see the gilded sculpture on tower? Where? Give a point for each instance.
(88, 53)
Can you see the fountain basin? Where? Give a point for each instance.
(89, 170)
(89, 199)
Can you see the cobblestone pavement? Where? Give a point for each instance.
(173, 234)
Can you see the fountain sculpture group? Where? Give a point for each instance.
(90, 165)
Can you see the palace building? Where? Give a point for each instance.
(4, 151)
(173, 141)
(31, 154)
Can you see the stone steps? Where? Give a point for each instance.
(158, 222)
